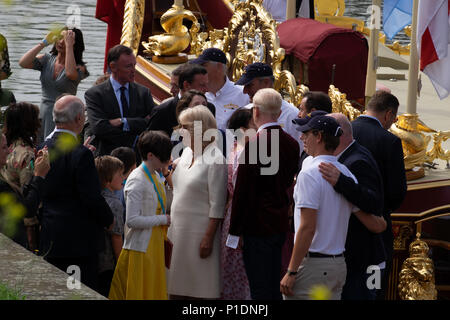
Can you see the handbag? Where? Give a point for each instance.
(168, 245)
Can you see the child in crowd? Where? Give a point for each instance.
(110, 172)
(128, 158)
(140, 273)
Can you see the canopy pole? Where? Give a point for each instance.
(372, 61)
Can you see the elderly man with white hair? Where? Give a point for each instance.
(260, 204)
(74, 213)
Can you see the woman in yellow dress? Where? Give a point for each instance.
(140, 272)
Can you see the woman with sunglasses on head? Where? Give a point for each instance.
(61, 70)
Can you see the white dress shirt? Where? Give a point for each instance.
(228, 99)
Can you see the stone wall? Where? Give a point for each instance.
(36, 278)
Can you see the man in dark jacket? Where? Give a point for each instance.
(164, 116)
(118, 109)
(74, 213)
(371, 131)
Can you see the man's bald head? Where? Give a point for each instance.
(347, 134)
(67, 108)
(68, 113)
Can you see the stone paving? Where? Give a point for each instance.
(35, 278)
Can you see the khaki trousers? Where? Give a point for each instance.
(329, 272)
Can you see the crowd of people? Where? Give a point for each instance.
(223, 191)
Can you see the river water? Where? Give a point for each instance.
(25, 22)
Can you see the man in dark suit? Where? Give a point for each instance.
(371, 131)
(73, 212)
(118, 109)
(261, 202)
(313, 101)
(164, 116)
(362, 248)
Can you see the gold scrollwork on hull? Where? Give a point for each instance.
(341, 104)
(133, 22)
(417, 280)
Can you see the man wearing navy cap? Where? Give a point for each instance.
(259, 76)
(223, 93)
(321, 215)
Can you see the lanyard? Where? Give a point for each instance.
(149, 176)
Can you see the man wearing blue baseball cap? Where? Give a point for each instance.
(223, 93)
(258, 76)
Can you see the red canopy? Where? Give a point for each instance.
(319, 46)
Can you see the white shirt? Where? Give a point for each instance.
(333, 210)
(228, 99)
(61, 130)
(288, 113)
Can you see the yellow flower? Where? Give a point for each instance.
(320, 292)
(65, 143)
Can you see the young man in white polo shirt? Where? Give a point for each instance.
(321, 216)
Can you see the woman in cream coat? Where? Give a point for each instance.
(199, 196)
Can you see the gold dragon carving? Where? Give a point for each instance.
(417, 280)
(176, 38)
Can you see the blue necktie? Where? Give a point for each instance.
(123, 100)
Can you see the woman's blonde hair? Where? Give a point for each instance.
(194, 115)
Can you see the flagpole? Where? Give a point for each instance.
(372, 61)
(413, 72)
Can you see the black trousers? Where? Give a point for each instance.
(355, 287)
(262, 260)
(88, 268)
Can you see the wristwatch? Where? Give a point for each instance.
(291, 273)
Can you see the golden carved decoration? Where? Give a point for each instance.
(133, 21)
(397, 47)
(417, 274)
(341, 104)
(437, 152)
(176, 38)
(404, 233)
(329, 7)
(410, 129)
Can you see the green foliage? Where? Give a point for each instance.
(7, 293)
(11, 213)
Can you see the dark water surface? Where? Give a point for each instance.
(25, 22)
